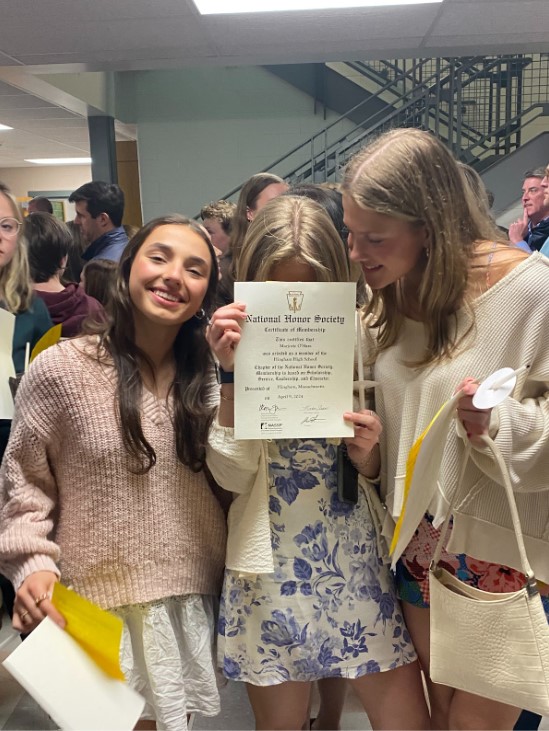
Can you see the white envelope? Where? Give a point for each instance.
(69, 686)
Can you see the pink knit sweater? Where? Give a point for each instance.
(70, 502)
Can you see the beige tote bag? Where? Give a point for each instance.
(492, 645)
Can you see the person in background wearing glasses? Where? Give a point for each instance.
(32, 319)
(531, 232)
(16, 293)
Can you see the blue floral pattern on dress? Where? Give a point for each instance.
(329, 609)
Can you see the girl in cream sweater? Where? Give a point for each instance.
(451, 304)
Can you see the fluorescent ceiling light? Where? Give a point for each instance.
(4, 127)
(219, 7)
(61, 160)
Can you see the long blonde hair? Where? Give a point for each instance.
(15, 281)
(410, 175)
(293, 228)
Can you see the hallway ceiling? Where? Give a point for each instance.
(57, 36)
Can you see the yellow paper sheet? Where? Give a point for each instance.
(98, 632)
(52, 337)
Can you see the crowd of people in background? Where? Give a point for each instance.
(122, 477)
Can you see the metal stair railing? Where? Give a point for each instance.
(321, 156)
(502, 133)
(400, 76)
(333, 160)
(323, 134)
(472, 68)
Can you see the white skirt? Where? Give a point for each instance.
(167, 656)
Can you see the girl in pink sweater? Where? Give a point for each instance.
(102, 483)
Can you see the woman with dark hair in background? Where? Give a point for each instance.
(255, 193)
(75, 262)
(99, 280)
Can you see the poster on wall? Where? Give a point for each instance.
(59, 209)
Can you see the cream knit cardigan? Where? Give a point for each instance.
(70, 502)
(242, 468)
(511, 329)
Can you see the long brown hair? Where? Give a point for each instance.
(192, 385)
(99, 280)
(410, 175)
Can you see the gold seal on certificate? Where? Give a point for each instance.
(294, 363)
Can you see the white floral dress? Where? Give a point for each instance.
(329, 609)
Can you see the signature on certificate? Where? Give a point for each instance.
(271, 408)
(313, 414)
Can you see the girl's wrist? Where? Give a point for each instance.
(368, 466)
(224, 375)
(226, 392)
(365, 461)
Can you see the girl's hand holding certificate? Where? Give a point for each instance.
(33, 602)
(224, 331)
(363, 449)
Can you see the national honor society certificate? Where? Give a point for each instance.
(294, 363)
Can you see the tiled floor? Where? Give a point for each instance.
(18, 711)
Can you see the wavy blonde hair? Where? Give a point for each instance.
(410, 175)
(15, 281)
(293, 228)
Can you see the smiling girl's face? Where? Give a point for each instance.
(386, 248)
(169, 276)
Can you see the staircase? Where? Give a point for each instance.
(480, 107)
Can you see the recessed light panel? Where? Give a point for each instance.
(224, 7)
(61, 160)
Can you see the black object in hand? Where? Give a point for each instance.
(347, 477)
